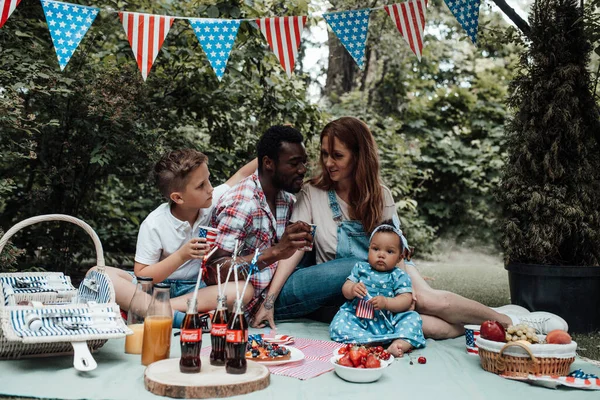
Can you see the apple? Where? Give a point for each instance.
(558, 336)
(493, 330)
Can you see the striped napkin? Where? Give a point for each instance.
(317, 354)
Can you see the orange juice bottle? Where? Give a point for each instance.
(158, 326)
(138, 308)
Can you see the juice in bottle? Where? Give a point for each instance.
(158, 326)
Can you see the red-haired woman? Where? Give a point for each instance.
(347, 201)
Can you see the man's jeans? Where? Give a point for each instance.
(311, 288)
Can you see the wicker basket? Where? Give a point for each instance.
(96, 288)
(521, 365)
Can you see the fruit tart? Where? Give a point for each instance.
(258, 350)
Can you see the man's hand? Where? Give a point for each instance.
(195, 248)
(379, 303)
(359, 290)
(296, 236)
(266, 312)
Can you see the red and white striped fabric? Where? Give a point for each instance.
(409, 18)
(283, 35)
(146, 34)
(6, 8)
(364, 309)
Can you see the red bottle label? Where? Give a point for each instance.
(191, 335)
(234, 336)
(219, 330)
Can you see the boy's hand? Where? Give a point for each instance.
(379, 303)
(359, 290)
(194, 249)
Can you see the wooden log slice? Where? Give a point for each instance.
(164, 379)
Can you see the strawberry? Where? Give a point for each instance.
(363, 351)
(372, 362)
(345, 361)
(354, 357)
(360, 366)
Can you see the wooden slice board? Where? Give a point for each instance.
(164, 379)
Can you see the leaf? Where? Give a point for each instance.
(235, 12)
(213, 12)
(597, 50)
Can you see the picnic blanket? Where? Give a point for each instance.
(450, 373)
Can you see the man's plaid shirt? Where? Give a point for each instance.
(243, 214)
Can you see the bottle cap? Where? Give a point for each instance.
(34, 322)
(144, 278)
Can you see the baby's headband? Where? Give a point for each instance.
(391, 228)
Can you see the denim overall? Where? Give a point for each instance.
(353, 241)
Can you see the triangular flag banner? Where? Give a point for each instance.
(283, 35)
(467, 14)
(68, 24)
(216, 37)
(146, 34)
(6, 8)
(409, 18)
(351, 27)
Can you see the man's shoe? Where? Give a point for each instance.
(544, 322)
(511, 309)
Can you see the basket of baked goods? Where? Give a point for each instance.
(519, 351)
(43, 314)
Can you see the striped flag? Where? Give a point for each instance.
(364, 309)
(283, 35)
(146, 34)
(209, 233)
(409, 18)
(6, 8)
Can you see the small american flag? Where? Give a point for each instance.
(471, 336)
(364, 309)
(209, 234)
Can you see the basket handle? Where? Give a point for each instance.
(57, 217)
(500, 363)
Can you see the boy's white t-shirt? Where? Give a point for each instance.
(161, 234)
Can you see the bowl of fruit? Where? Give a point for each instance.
(360, 364)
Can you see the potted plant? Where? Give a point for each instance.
(550, 191)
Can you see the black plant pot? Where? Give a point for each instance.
(569, 291)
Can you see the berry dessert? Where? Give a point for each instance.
(258, 350)
(355, 356)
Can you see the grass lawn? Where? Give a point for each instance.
(482, 277)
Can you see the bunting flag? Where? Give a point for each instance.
(146, 34)
(467, 14)
(409, 19)
(6, 8)
(68, 24)
(216, 36)
(351, 27)
(283, 35)
(364, 309)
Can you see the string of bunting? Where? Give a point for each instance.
(68, 23)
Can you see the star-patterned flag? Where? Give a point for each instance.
(409, 18)
(216, 37)
(364, 309)
(467, 14)
(351, 27)
(146, 34)
(283, 35)
(6, 8)
(68, 24)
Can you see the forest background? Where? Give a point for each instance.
(83, 141)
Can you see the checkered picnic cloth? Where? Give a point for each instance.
(317, 354)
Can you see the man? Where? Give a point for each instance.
(257, 210)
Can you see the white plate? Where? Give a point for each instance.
(358, 375)
(296, 355)
(338, 356)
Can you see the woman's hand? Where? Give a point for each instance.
(263, 314)
(194, 249)
(359, 290)
(379, 303)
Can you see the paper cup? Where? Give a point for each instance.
(210, 234)
(313, 229)
(471, 335)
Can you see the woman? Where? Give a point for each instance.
(346, 201)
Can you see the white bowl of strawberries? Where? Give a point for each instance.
(360, 364)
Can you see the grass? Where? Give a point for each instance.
(482, 277)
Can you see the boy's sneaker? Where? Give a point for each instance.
(511, 309)
(543, 322)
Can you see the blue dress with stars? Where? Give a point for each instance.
(346, 327)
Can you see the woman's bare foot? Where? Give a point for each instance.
(398, 348)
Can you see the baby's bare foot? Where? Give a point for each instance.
(395, 348)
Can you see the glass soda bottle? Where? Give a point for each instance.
(236, 340)
(138, 307)
(158, 326)
(218, 332)
(191, 340)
